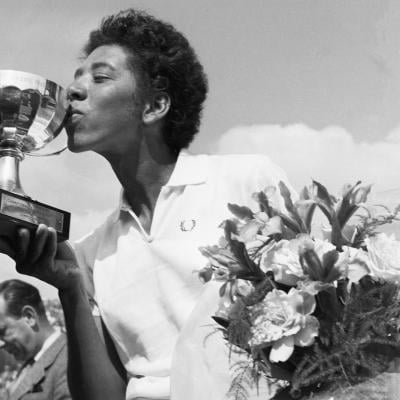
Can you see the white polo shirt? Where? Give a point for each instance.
(146, 286)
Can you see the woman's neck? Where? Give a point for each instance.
(142, 174)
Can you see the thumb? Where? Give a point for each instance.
(65, 251)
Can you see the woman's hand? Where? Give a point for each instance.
(39, 255)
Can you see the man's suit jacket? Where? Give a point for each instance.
(46, 379)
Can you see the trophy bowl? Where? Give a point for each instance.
(32, 113)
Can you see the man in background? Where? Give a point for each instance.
(28, 335)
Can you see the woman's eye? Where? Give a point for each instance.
(100, 78)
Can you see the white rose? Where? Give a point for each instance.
(384, 254)
(284, 259)
(354, 263)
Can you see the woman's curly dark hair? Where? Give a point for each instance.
(166, 62)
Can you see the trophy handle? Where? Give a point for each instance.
(54, 153)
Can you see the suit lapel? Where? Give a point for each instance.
(37, 371)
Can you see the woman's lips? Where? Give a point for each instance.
(75, 117)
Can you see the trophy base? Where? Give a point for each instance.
(20, 211)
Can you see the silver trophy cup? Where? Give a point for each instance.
(32, 112)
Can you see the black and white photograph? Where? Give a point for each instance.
(199, 200)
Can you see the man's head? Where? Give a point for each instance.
(23, 322)
(163, 63)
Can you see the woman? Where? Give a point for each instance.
(136, 100)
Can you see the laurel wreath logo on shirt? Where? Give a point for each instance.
(187, 225)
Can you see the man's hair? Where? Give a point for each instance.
(18, 294)
(165, 61)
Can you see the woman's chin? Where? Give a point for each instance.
(75, 146)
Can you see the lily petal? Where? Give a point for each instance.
(249, 231)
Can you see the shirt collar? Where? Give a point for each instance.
(47, 343)
(189, 169)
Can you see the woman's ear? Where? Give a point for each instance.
(157, 108)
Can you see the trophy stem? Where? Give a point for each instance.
(9, 170)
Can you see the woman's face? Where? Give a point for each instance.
(104, 99)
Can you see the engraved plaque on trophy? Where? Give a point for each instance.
(32, 112)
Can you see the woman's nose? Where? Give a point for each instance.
(76, 91)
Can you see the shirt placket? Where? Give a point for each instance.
(159, 212)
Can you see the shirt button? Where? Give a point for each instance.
(150, 239)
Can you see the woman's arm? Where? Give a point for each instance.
(92, 370)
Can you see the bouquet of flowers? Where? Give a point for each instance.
(314, 312)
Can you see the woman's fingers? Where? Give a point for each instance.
(35, 248)
(50, 246)
(36, 256)
(22, 245)
(37, 244)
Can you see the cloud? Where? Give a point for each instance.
(330, 156)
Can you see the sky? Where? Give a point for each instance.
(315, 85)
